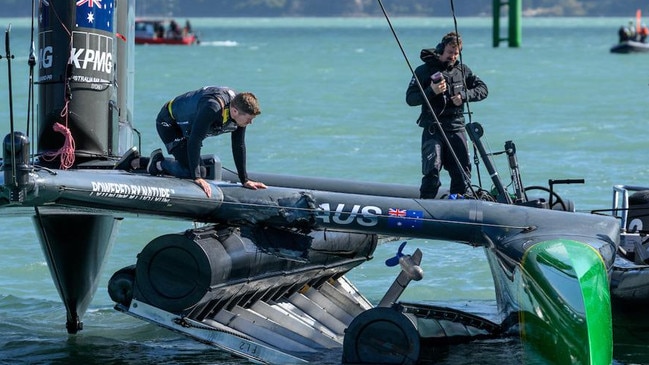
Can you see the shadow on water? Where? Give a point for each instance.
(101, 350)
(109, 337)
(28, 337)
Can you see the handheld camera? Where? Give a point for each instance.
(437, 77)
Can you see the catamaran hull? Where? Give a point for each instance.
(528, 286)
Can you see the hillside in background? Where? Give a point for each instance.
(277, 8)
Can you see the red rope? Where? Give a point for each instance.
(67, 151)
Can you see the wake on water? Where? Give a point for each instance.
(219, 43)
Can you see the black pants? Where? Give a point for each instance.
(176, 144)
(435, 155)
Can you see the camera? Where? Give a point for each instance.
(437, 77)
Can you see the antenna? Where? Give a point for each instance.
(9, 56)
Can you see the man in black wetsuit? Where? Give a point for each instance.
(185, 121)
(448, 85)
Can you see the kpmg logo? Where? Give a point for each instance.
(92, 52)
(45, 57)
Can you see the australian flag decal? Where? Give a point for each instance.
(96, 14)
(404, 218)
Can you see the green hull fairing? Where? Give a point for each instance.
(567, 285)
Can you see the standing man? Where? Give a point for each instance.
(185, 121)
(448, 85)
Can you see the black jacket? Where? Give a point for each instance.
(459, 78)
(199, 115)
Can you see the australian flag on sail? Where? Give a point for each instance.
(404, 218)
(96, 14)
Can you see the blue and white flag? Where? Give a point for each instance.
(96, 14)
(403, 218)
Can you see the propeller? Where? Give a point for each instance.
(394, 261)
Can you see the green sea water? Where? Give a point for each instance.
(332, 93)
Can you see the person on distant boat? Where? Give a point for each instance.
(644, 32)
(630, 31)
(623, 34)
(185, 121)
(159, 30)
(448, 85)
(174, 30)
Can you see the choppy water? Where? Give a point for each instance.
(332, 95)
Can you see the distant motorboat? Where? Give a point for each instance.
(163, 31)
(630, 47)
(632, 37)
